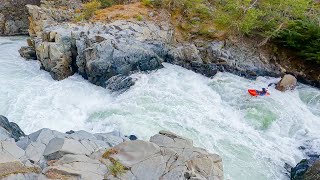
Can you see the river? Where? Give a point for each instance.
(254, 136)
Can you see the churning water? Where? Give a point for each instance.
(254, 136)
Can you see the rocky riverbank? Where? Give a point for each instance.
(49, 154)
(107, 53)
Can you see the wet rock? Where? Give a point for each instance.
(307, 169)
(28, 53)
(133, 137)
(119, 83)
(108, 59)
(13, 130)
(288, 82)
(70, 132)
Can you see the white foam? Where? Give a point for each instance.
(254, 136)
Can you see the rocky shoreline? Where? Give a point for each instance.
(108, 53)
(49, 154)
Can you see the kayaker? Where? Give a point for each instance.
(263, 92)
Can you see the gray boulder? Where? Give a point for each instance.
(11, 128)
(28, 53)
(10, 152)
(42, 136)
(58, 147)
(78, 167)
(307, 169)
(288, 82)
(119, 83)
(108, 59)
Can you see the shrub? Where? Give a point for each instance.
(90, 8)
(117, 169)
(192, 15)
(139, 18)
(246, 16)
(147, 2)
(106, 3)
(303, 36)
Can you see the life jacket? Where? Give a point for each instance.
(261, 93)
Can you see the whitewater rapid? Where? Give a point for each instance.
(254, 136)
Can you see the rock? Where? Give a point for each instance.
(42, 136)
(119, 83)
(58, 147)
(167, 156)
(34, 151)
(14, 17)
(4, 134)
(10, 152)
(132, 152)
(16, 170)
(156, 166)
(307, 169)
(97, 52)
(171, 140)
(288, 82)
(206, 166)
(112, 138)
(48, 154)
(108, 59)
(12, 129)
(70, 132)
(28, 52)
(55, 58)
(79, 166)
(242, 56)
(186, 53)
(133, 137)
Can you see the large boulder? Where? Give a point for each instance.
(28, 53)
(9, 129)
(288, 82)
(307, 169)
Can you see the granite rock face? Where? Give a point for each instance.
(14, 17)
(167, 156)
(96, 51)
(108, 53)
(49, 154)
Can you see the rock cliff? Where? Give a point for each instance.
(102, 51)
